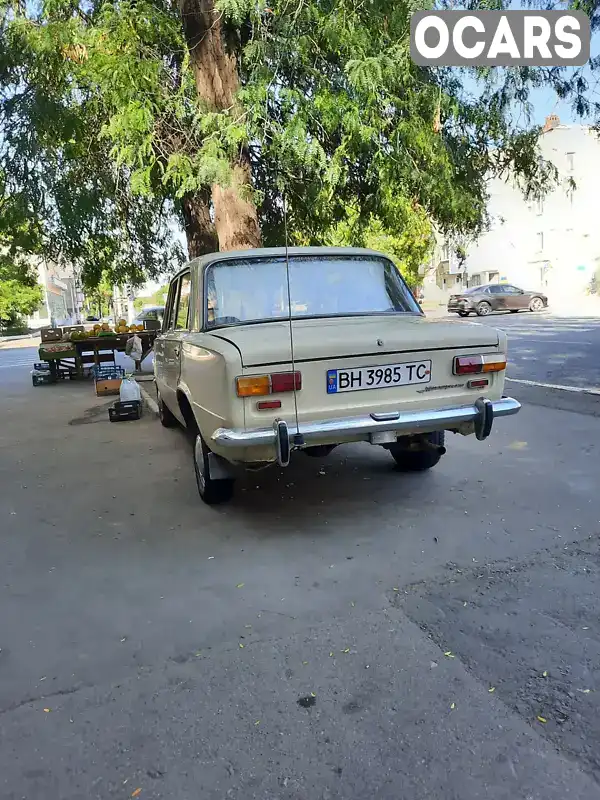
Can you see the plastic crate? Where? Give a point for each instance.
(125, 409)
(107, 371)
(41, 378)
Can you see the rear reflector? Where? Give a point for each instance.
(264, 405)
(475, 365)
(480, 384)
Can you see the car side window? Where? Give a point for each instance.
(183, 305)
(170, 307)
(512, 290)
(495, 289)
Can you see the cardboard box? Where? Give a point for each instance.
(108, 386)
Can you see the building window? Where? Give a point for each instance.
(445, 252)
(540, 241)
(570, 161)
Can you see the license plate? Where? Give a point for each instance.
(360, 378)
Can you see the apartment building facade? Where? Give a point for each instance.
(551, 244)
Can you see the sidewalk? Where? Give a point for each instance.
(588, 306)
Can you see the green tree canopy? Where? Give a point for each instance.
(116, 116)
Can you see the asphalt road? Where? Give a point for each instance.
(551, 350)
(340, 630)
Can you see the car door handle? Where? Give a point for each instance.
(176, 351)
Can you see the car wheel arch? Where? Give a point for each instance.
(187, 412)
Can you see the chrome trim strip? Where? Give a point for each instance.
(412, 421)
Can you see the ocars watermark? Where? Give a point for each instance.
(500, 38)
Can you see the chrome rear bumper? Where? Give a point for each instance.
(481, 413)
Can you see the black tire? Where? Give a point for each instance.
(514, 310)
(418, 460)
(536, 304)
(166, 417)
(463, 313)
(483, 309)
(212, 492)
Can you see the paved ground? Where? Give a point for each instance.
(339, 631)
(546, 349)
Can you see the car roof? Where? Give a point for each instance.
(202, 262)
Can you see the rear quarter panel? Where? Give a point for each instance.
(209, 367)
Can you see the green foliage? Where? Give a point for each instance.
(103, 134)
(20, 294)
(158, 298)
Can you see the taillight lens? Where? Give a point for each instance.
(285, 382)
(258, 385)
(475, 365)
(253, 386)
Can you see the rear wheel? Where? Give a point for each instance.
(419, 460)
(536, 304)
(211, 491)
(165, 416)
(483, 309)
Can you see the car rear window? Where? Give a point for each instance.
(256, 290)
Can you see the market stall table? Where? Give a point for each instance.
(73, 356)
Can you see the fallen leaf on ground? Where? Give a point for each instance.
(542, 719)
(449, 654)
(331, 654)
(137, 791)
(47, 710)
(312, 694)
(241, 645)
(544, 674)
(257, 722)
(453, 706)
(239, 586)
(492, 689)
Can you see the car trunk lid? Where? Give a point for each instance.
(265, 344)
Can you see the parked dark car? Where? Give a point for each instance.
(482, 300)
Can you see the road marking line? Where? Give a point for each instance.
(576, 389)
(549, 340)
(150, 401)
(20, 364)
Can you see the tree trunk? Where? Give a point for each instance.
(217, 83)
(200, 231)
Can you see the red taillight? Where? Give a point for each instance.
(285, 382)
(252, 385)
(468, 365)
(474, 365)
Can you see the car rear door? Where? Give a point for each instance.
(497, 297)
(168, 344)
(514, 298)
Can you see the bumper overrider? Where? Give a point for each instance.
(370, 427)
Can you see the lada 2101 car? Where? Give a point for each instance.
(267, 352)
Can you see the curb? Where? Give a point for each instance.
(149, 401)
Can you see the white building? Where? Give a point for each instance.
(552, 245)
(62, 299)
